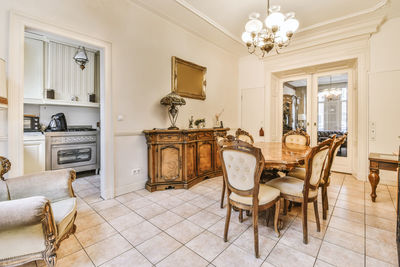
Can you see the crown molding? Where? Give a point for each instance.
(343, 18)
(339, 20)
(210, 21)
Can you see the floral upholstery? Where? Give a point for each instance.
(317, 166)
(296, 139)
(240, 169)
(291, 186)
(245, 138)
(266, 194)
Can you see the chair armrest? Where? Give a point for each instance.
(54, 185)
(5, 166)
(23, 212)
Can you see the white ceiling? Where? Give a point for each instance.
(222, 21)
(233, 14)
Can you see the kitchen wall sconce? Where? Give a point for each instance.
(81, 57)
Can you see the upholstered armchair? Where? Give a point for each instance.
(37, 212)
(244, 136)
(298, 136)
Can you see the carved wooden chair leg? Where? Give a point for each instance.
(276, 217)
(324, 203)
(285, 206)
(289, 208)
(223, 193)
(241, 215)
(255, 228)
(227, 220)
(304, 222)
(317, 215)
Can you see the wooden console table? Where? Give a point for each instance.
(181, 158)
(378, 162)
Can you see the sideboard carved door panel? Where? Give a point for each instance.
(218, 164)
(170, 163)
(181, 158)
(205, 157)
(190, 160)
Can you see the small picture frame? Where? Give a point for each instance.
(188, 79)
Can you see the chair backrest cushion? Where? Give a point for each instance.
(296, 139)
(245, 138)
(317, 166)
(240, 169)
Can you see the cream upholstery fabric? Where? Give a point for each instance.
(298, 173)
(296, 139)
(245, 138)
(54, 185)
(317, 165)
(291, 186)
(20, 241)
(63, 212)
(21, 212)
(265, 195)
(3, 191)
(240, 168)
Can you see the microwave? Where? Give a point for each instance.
(31, 123)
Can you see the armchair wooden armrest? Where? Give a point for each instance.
(5, 166)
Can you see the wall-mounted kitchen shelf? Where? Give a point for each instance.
(53, 102)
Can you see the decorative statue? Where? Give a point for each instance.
(217, 117)
(191, 122)
(200, 123)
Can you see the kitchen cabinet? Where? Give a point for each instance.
(34, 153)
(33, 69)
(50, 65)
(181, 158)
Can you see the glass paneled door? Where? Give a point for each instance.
(332, 113)
(295, 103)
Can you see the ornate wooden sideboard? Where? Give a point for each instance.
(181, 158)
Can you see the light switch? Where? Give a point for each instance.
(120, 117)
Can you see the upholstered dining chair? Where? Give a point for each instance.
(325, 180)
(305, 191)
(220, 142)
(244, 136)
(242, 165)
(298, 136)
(37, 212)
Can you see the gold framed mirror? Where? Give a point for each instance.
(188, 79)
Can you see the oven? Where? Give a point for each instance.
(76, 150)
(72, 156)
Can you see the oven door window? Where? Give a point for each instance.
(68, 156)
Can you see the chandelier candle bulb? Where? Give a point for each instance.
(278, 31)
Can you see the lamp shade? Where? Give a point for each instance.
(275, 19)
(253, 25)
(3, 81)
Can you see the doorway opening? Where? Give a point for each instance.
(320, 102)
(18, 26)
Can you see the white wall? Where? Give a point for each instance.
(142, 46)
(384, 92)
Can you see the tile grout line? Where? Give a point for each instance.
(329, 220)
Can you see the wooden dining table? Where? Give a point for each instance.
(282, 156)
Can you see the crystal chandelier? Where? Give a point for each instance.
(277, 34)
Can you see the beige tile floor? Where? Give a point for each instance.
(185, 228)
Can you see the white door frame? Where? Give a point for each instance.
(18, 24)
(341, 165)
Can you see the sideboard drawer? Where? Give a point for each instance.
(169, 137)
(205, 135)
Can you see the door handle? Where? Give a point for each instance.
(315, 124)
